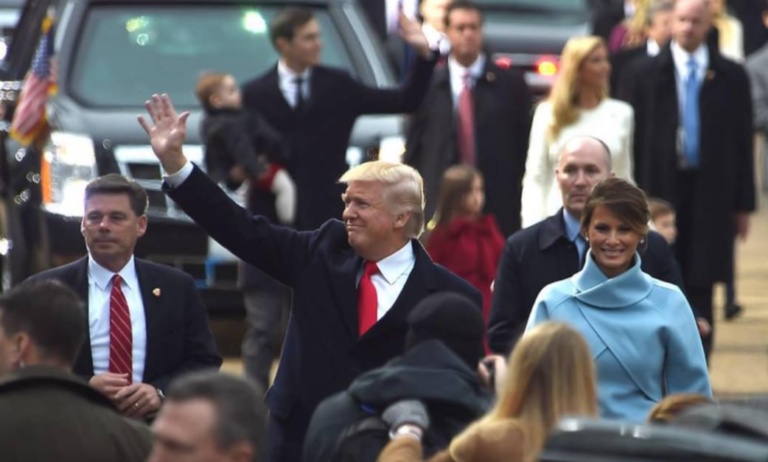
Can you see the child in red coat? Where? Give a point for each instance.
(463, 239)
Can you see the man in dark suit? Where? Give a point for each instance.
(553, 249)
(48, 412)
(146, 322)
(658, 30)
(354, 283)
(475, 113)
(314, 107)
(694, 136)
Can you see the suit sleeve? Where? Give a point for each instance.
(685, 366)
(405, 99)
(759, 81)
(199, 346)
(280, 252)
(538, 169)
(508, 315)
(744, 148)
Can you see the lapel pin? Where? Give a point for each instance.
(710, 75)
(490, 76)
(156, 292)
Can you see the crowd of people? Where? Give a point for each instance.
(567, 267)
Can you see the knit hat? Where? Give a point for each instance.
(453, 319)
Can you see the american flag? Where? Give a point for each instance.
(29, 120)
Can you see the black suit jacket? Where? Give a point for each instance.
(502, 110)
(540, 255)
(322, 351)
(178, 337)
(725, 179)
(317, 136)
(620, 61)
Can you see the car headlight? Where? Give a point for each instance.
(68, 164)
(392, 148)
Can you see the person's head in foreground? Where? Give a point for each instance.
(41, 324)
(210, 417)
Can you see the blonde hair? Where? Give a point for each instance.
(566, 87)
(669, 408)
(404, 189)
(637, 25)
(551, 374)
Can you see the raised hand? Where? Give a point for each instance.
(167, 132)
(411, 32)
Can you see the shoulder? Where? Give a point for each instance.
(506, 73)
(616, 108)
(544, 108)
(758, 62)
(731, 69)
(526, 237)
(556, 294)
(499, 440)
(62, 273)
(260, 81)
(167, 273)
(671, 294)
(329, 75)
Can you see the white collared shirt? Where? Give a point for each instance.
(99, 294)
(391, 278)
(681, 58)
(457, 71)
(287, 79)
(652, 48)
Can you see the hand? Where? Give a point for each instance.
(109, 384)
(410, 31)
(168, 133)
(138, 400)
(742, 225)
(406, 412)
(704, 327)
(500, 372)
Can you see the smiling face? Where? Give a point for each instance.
(613, 242)
(111, 229)
(374, 230)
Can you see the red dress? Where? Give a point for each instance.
(472, 250)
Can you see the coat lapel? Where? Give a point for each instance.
(277, 100)
(345, 267)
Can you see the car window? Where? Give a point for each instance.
(8, 19)
(554, 6)
(129, 52)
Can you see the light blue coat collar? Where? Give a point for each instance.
(595, 289)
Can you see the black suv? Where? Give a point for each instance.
(112, 55)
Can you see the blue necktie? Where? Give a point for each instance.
(691, 121)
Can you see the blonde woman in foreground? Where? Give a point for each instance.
(577, 106)
(551, 374)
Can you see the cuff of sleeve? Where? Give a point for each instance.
(176, 179)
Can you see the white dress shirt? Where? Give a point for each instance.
(457, 71)
(99, 294)
(652, 48)
(287, 79)
(391, 278)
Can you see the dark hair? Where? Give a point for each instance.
(461, 5)
(240, 412)
(659, 207)
(286, 21)
(765, 7)
(207, 84)
(623, 199)
(50, 313)
(118, 184)
(457, 183)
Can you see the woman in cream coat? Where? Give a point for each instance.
(578, 105)
(641, 331)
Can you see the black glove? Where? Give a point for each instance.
(406, 412)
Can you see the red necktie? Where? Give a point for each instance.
(120, 333)
(367, 301)
(466, 123)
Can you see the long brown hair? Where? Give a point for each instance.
(457, 183)
(551, 374)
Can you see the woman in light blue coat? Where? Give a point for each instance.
(641, 331)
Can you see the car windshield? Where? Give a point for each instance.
(556, 6)
(129, 52)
